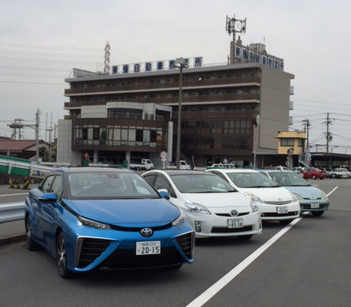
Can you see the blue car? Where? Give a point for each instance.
(88, 218)
(311, 199)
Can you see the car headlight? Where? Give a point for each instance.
(297, 196)
(254, 206)
(254, 198)
(197, 208)
(254, 201)
(324, 196)
(94, 224)
(179, 221)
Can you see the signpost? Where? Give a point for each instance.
(163, 156)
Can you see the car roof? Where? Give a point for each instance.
(235, 170)
(180, 172)
(278, 171)
(76, 170)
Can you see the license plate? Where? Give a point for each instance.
(148, 248)
(314, 205)
(282, 210)
(235, 223)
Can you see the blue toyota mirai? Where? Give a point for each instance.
(89, 218)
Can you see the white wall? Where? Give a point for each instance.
(64, 141)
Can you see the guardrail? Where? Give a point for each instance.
(10, 164)
(11, 212)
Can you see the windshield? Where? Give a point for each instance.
(251, 180)
(285, 179)
(201, 183)
(108, 185)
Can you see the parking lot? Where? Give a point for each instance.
(306, 263)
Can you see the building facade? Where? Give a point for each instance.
(126, 116)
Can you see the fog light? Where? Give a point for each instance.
(197, 226)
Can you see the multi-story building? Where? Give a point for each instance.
(122, 116)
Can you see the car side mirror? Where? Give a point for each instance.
(48, 198)
(164, 193)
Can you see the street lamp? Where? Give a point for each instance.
(180, 63)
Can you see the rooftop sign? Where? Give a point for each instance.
(154, 66)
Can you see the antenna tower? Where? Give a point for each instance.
(234, 25)
(107, 59)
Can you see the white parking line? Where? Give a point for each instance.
(332, 191)
(220, 284)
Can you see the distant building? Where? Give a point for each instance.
(25, 149)
(133, 113)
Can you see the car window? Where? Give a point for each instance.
(150, 178)
(162, 183)
(220, 175)
(289, 179)
(251, 180)
(45, 187)
(56, 186)
(201, 183)
(106, 185)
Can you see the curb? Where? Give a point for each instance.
(12, 239)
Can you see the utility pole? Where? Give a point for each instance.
(329, 136)
(307, 131)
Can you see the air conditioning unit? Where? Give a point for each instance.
(292, 90)
(291, 120)
(291, 105)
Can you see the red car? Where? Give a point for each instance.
(314, 173)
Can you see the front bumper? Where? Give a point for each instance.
(92, 248)
(216, 225)
(272, 212)
(314, 205)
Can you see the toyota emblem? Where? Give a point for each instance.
(233, 213)
(146, 232)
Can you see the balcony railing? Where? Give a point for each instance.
(173, 99)
(161, 85)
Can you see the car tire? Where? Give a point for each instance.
(314, 177)
(30, 243)
(317, 213)
(61, 257)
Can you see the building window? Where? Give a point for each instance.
(287, 142)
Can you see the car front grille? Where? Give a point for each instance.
(137, 229)
(230, 230)
(229, 215)
(309, 207)
(278, 203)
(90, 249)
(127, 259)
(186, 243)
(273, 214)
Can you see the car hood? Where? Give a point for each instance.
(270, 194)
(308, 192)
(219, 200)
(127, 212)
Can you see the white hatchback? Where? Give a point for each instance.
(275, 202)
(212, 206)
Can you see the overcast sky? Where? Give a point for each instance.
(42, 40)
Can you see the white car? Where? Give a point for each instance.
(275, 202)
(211, 205)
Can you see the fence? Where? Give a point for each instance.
(11, 212)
